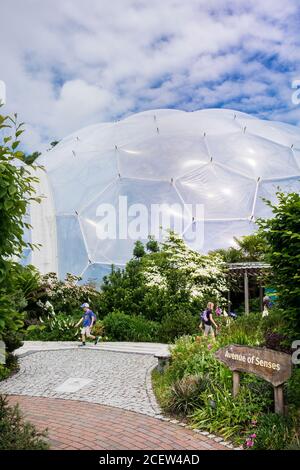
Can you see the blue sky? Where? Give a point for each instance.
(68, 64)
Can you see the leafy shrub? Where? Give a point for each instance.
(98, 329)
(239, 336)
(230, 417)
(11, 320)
(293, 388)
(4, 372)
(276, 341)
(16, 191)
(57, 328)
(192, 358)
(12, 340)
(28, 281)
(281, 234)
(185, 394)
(259, 387)
(47, 295)
(11, 366)
(121, 327)
(199, 386)
(246, 329)
(15, 433)
(273, 432)
(177, 324)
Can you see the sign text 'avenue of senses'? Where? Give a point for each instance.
(273, 366)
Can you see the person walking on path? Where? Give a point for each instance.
(87, 320)
(266, 306)
(208, 321)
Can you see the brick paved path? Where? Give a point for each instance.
(94, 398)
(109, 378)
(81, 425)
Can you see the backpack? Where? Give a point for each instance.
(204, 316)
(95, 318)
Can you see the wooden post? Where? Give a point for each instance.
(279, 402)
(236, 383)
(246, 290)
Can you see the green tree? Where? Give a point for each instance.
(16, 191)
(282, 236)
(152, 245)
(158, 283)
(248, 248)
(139, 249)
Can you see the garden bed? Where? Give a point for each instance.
(197, 388)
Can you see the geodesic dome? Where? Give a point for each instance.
(224, 160)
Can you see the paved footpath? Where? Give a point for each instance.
(83, 426)
(97, 397)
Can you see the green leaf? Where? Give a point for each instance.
(8, 204)
(15, 144)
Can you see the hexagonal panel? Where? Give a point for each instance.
(95, 272)
(162, 156)
(118, 246)
(80, 178)
(223, 193)
(253, 156)
(267, 190)
(216, 234)
(278, 132)
(197, 123)
(72, 253)
(136, 127)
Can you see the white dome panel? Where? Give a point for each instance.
(81, 178)
(114, 249)
(72, 252)
(267, 190)
(223, 160)
(162, 156)
(224, 194)
(95, 273)
(254, 156)
(279, 132)
(217, 234)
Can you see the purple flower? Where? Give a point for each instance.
(254, 422)
(249, 443)
(209, 346)
(253, 436)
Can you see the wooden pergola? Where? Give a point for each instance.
(246, 270)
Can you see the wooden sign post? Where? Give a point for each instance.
(273, 366)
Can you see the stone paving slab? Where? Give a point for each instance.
(121, 346)
(85, 426)
(116, 378)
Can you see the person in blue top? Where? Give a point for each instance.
(87, 320)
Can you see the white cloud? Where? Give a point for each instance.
(70, 63)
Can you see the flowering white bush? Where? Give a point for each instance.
(203, 276)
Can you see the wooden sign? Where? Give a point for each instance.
(273, 366)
